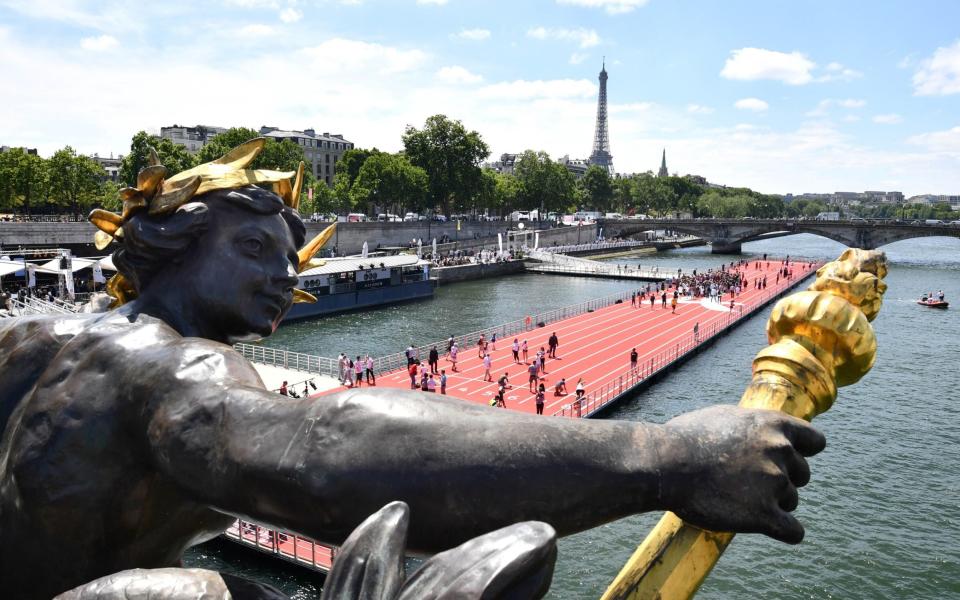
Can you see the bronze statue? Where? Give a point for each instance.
(131, 435)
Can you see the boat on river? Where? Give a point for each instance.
(933, 303)
(349, 283)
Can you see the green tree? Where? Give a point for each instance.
(623, 193)
(108, 197)
(352, 160)
(507, 192)
(173, 156)
(24, 180)
(324, 201)
(597, 187)
(75, 181)
(342, 200)
(544, 184)
(451, 157)
(389, 180)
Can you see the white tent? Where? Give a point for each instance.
(10, 266)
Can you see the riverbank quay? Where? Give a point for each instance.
(595, 343)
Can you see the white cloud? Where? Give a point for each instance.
(945, 142)
(939, 75)
(837, 72)
(434, 2)
(699, 109)
(290, 15)
(823, 105)
(750, 64)
(754, 104)
(475, 35)
(888, 119)
(586, 38)
(99, 43)
(852, 103)
(613, 7)
(457, 75)
(256, 30)
(578, 57)
(353, 55)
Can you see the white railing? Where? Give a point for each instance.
(562, 263)
(288, 360)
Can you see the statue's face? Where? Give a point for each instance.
(243, 272)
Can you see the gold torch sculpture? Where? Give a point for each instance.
(820, 339)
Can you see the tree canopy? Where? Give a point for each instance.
(451, 156)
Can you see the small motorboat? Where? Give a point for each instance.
(933, 302)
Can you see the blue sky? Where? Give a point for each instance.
(782, 97)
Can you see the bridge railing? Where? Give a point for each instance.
(283, 544)
(287, 359)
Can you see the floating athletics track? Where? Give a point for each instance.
(594, 345)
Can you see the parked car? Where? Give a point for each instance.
(411, 217)
(439, 218)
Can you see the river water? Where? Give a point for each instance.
(882, 510)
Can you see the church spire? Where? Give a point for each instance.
(663, 165)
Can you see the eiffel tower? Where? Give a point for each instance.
(601, 141)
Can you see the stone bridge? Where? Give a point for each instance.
(726, 235)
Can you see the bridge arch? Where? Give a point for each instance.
(727, 235)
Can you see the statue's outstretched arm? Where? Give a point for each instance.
(322, 466)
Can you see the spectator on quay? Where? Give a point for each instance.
(523, 349)
(341, 367)
(358, 371)
(424, 375)
(552, 343)
(348, 371)
(371, 378)
(487, 363)
(516, 351)
(534, 376)
(412, 371)
(454, 351)
(283, 388)
(633, 360)
(443, 381)
(539, 399)
(481, 346)
(431, 384)
(493, 341)
(580, 390)
(434, 360)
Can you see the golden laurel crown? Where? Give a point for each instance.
(161, 196)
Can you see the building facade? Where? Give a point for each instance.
(110, 166)
(321, 152)
(576, 166)
(191, 138)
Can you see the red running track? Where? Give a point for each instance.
(596, 346)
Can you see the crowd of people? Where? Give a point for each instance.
(471, 257)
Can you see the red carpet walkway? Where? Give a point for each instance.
(596, 346)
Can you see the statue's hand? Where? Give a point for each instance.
(733, 469)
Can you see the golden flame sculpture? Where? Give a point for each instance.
(819, 339)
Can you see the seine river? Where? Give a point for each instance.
(882, 510)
